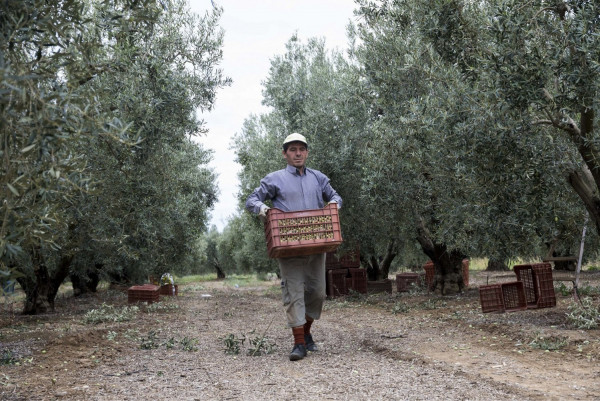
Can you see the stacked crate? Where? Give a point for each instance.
(348, 266)
(336, 282)
(169, 290)
(406, 281)
(538, 283)
(143, 293)
(341, 281)
(358, 280)
(534, 288)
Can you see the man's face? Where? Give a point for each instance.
(296, 154)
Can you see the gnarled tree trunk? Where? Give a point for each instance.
(41, 289)
(496, 265)
(86, 283)
(448, 264)
(378, 268)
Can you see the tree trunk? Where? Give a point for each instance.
(59, 277)
(583, 183)
(41, 289)
(496, 265)
(387, 261)
(220, 272)
(448, 264)
(87, 283)
(37, 291)
(373, 270)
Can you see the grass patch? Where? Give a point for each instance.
(196, 278)
(242, 280)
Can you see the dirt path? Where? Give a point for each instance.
(378, 347)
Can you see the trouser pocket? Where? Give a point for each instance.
(285, 293)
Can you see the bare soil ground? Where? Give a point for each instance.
(400, 346)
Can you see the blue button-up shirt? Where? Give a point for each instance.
(291, 192)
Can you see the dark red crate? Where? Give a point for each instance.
(331, 261)
(524, 274)
(429, 268)
(538, 284)
(491, 298)
(359, 280)
(336, 284)
(406, 281)
(305, 232)
(143, 293)
(546, 298)
(350, 259)
(167, 290)
(378, 286)
(513, 294)
(465, 272)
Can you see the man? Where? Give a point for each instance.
(291, 189)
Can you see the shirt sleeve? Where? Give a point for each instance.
(266, 190)
(329, 194)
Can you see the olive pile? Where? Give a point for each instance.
(305, 228)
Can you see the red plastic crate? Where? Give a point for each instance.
(143, 293)
(538, 284)
(331, 261)
(378, 286)
(524, 274)
(305, 232)
(491, 298)
(336, 282)
(350, 259)
(546, 298)
(429, 268)
(359, 280)
(513, 294)
(168, 290)
(465, 272)
(404, 281)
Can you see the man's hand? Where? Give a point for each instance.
(262, 215)
(334, 202)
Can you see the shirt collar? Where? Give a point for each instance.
(294, 170)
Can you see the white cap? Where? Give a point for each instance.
(295, 137)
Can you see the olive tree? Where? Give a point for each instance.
(98, 162)
(473, 179)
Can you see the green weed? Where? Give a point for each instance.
(400, 307)
(584, 315)
(189, 344)
(233, 344)
(108, 313)
(162, 307)
(7, 357)
(588, 290)
(261, 345)
(433, 303)
(149, 342)
(563, 289)
(551, 343)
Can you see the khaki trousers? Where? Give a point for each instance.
(302, 287)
